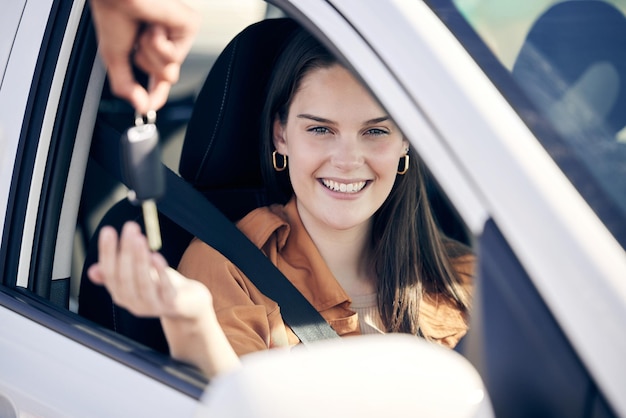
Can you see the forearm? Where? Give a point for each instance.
(201, 342)
(140, 281)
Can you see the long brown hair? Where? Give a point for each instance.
(411, 255)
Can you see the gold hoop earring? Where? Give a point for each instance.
(275, 164)
(405, 165)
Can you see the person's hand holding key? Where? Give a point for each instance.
(144, 172)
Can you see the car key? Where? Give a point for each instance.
(143, 170)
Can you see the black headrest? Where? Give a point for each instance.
(221, 148)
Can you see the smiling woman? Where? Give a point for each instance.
(333, 136)
(387, 229)
(348, 238)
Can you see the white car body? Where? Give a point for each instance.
(483, 155)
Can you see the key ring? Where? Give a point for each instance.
(149, 117)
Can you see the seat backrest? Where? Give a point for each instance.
(220, 157)
(221, 151)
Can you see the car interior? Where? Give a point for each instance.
(219, 158)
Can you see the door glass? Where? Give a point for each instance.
(566, 65)
(9, 21)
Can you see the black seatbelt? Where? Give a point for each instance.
(189, 209)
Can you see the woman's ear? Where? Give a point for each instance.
(280, 142)
(405, 146)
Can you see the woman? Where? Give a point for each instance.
(356, 235)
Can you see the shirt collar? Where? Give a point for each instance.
(317, 283)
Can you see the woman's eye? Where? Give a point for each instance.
(376, 132)
(319, 130)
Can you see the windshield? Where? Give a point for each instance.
(562, 65)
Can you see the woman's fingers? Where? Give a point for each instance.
(107, 253)
(95, 274)
(136, 278)
(146, 280)
(141, 281)
(123, 285)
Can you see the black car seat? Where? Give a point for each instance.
(220, 158)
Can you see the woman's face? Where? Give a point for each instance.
(343, 150)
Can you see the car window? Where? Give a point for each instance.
(565, 65)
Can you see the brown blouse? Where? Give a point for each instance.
(252, 321)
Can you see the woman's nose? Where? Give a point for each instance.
(348, 154)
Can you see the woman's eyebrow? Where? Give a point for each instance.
(315, 118)
(330, 122)
(376, 120)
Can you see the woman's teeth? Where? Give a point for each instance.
(344, 187)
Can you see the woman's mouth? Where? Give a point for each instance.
(336, 186)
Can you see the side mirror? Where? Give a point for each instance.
(365, 376)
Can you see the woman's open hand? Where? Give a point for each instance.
(141, 281)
